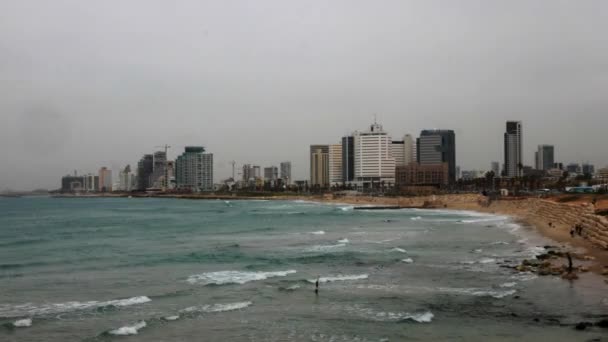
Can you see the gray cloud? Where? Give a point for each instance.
(260, 81)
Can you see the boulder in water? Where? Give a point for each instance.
(582, 325)
(603, 323)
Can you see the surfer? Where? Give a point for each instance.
(317, 286)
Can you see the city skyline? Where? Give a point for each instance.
(581, 164)
(85, 86)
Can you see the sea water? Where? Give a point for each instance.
(150, 269)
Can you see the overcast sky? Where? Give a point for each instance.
(85, 84)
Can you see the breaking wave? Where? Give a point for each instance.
(422, 317)
(323, 248)
(212, 308)
(511, 284)
(128, 329)
(397, 249)
(23, 323)
(339, 278)
(477, 292)
(29, 309)
(233, 277)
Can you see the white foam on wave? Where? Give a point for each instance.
(526, 276)
(30, 309)
(416, 218)
(479, 250)
(320, 232)
(234, 277)
(23, 323)
(212, 308)
(348, 208)
(129, 329)
(345, 240)
(339, 278)
(382, 316)
(477, 292)
(499, 243)
(485, 219)
(487, 261)
(511, 284)
(408, 260)
(324, 248)
(399, 250)
(171, 318)
(535, 251)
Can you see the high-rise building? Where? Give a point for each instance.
(170, 175)
(256, 171)
(319, 165)
(348, 159)
(573, 168)
(409, 147)
(544, 157)
(373, 157)
(335, 164)
(398, 152)
(125, 179)
(91, 182)
(158, 169)
(72, 183)
(496, 168)
(404, 151)
(105, 179)
(588, 169)
(194, 169)
(271, 173)
(513, 150)
(247, 170)
(145, 166)
(286, 172)
(438, 146)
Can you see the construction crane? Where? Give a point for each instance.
(166, 180)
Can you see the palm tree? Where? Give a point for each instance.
(490, 178)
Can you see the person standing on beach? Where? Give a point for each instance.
(572, 231)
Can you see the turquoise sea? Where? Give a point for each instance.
(149, 269)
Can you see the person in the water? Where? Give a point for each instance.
(317, 286)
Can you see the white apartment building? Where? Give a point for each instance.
(404, 151)
(373, 156)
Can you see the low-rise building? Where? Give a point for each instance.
(417, 174)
